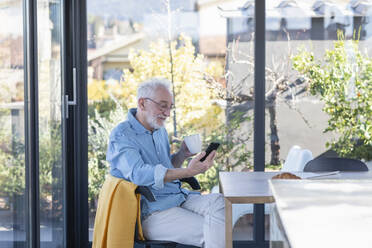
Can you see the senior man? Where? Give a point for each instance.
(139, 152)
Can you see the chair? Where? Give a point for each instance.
(328, 154)
(297, 159)
(369, 164)
(335, 164)
(290, 160)
(146, 192)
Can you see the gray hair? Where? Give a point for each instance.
(148, 88)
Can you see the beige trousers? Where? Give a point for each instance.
(199, 221)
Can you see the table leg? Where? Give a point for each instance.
(259, 223)
(228, 224)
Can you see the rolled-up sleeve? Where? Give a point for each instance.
(125, 157)
(159, 175)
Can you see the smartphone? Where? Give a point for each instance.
(212, 146)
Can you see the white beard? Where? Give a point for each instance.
(151, 120)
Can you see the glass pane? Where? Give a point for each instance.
(239, 75)
(317, 80)
(12, 136)
(130, 42)
(50, 132)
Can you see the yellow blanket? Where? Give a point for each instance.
(117, 213)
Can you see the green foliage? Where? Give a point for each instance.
(103, 107)
(273, 167)
(193, 98)
(12, 164)
(99, 129)
(50, 159)
(343, 80)
(233, 153)
(208, 179)
(12, 174)
(104, 112)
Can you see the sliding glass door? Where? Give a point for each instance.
(32, 160)
(50, 123)
(12, 128)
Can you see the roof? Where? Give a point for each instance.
(361, 7)
(115, 45)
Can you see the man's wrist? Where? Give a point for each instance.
(189, 172)
(178, 173)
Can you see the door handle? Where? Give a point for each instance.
(65, 100)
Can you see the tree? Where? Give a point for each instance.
(281, 81)
(195, 105)
(342, 79)
(193, 98)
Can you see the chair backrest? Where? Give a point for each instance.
(290, 161)
(296, 159)
(304, 157)
(335, 164)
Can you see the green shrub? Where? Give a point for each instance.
(343, 80)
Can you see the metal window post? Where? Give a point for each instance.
(31, 123)
(259, 115)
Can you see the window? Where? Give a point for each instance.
(12, 128)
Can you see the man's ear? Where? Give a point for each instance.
(141, 103)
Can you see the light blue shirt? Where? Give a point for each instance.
(143, 158)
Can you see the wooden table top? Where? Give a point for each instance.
(253, 187)
(246, 187)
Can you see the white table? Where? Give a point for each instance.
(243, 187)
(325, 213)
(253, 187)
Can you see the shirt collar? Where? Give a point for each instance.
(136, 125)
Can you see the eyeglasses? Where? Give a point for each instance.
(162, 106)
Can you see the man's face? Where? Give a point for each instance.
(158, 108)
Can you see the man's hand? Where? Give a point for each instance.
(185, 151)
(181, 155)
(196, 167)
